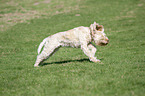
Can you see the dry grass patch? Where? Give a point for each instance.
(13, 12)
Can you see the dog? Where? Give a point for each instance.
(80, 37)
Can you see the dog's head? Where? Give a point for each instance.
(98, 35)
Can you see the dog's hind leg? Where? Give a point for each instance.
(49, 50)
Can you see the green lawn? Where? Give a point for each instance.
(25, 23)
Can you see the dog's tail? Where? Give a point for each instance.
(41, 45)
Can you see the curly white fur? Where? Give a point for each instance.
(41, 45)
(80, 37)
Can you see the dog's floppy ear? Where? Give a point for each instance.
(99, 27)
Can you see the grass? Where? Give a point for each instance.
(24, 24)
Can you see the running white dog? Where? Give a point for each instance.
(80, 37)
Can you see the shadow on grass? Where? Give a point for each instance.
(66, 61)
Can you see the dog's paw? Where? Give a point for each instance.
(96, 61)
(93, 59)
(36, 65)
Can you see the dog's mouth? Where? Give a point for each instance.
(104, 43)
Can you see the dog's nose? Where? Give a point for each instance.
(107, 41)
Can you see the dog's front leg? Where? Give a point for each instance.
(90, 54)
(92, 48)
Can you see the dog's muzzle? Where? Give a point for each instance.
(104, 42)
